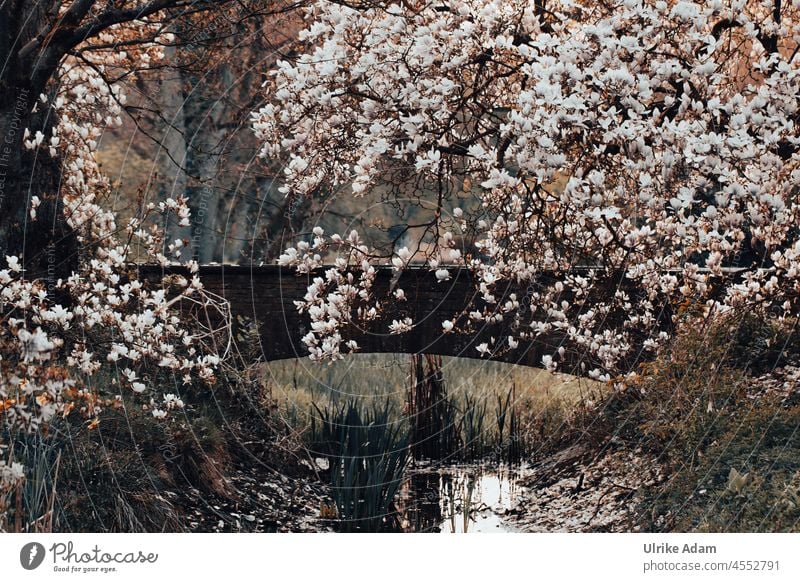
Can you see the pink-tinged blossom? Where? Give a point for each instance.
(45, 370)
(583, 146)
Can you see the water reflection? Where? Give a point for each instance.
(457, 500)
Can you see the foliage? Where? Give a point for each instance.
(29, 506)
(725, 431)
(368, 452)
(636, 176)
(548, 410)
(131, 471)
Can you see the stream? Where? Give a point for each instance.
(458, 499)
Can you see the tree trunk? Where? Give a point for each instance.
(46, 246)
(173, 160)
(207, 107)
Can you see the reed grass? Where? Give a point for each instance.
(34, 498)
(471, 427)
(368, 452)
(433, 414)
(459, 410)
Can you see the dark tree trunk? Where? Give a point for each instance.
(46, 246)
(35, 36)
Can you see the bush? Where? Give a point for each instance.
(730, 448)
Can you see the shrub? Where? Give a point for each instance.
(730, 444)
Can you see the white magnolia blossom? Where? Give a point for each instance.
(442, 275)
(401, 326)
(50, 349)
(647, 142)
(337, 299)
(11, 473)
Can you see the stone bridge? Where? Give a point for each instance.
(266, 294)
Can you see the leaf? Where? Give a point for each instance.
(736, 481)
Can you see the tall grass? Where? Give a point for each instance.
(510, 443)
(33, 500)
(471, 427)
(368, 453)
(433, 415)
(458, 410)
(708, 420)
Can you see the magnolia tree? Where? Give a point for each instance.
(76, 345)
(632, 144)
(78, 329)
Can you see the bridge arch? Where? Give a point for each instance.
(266, 295)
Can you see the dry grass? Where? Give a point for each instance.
(544, 404)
